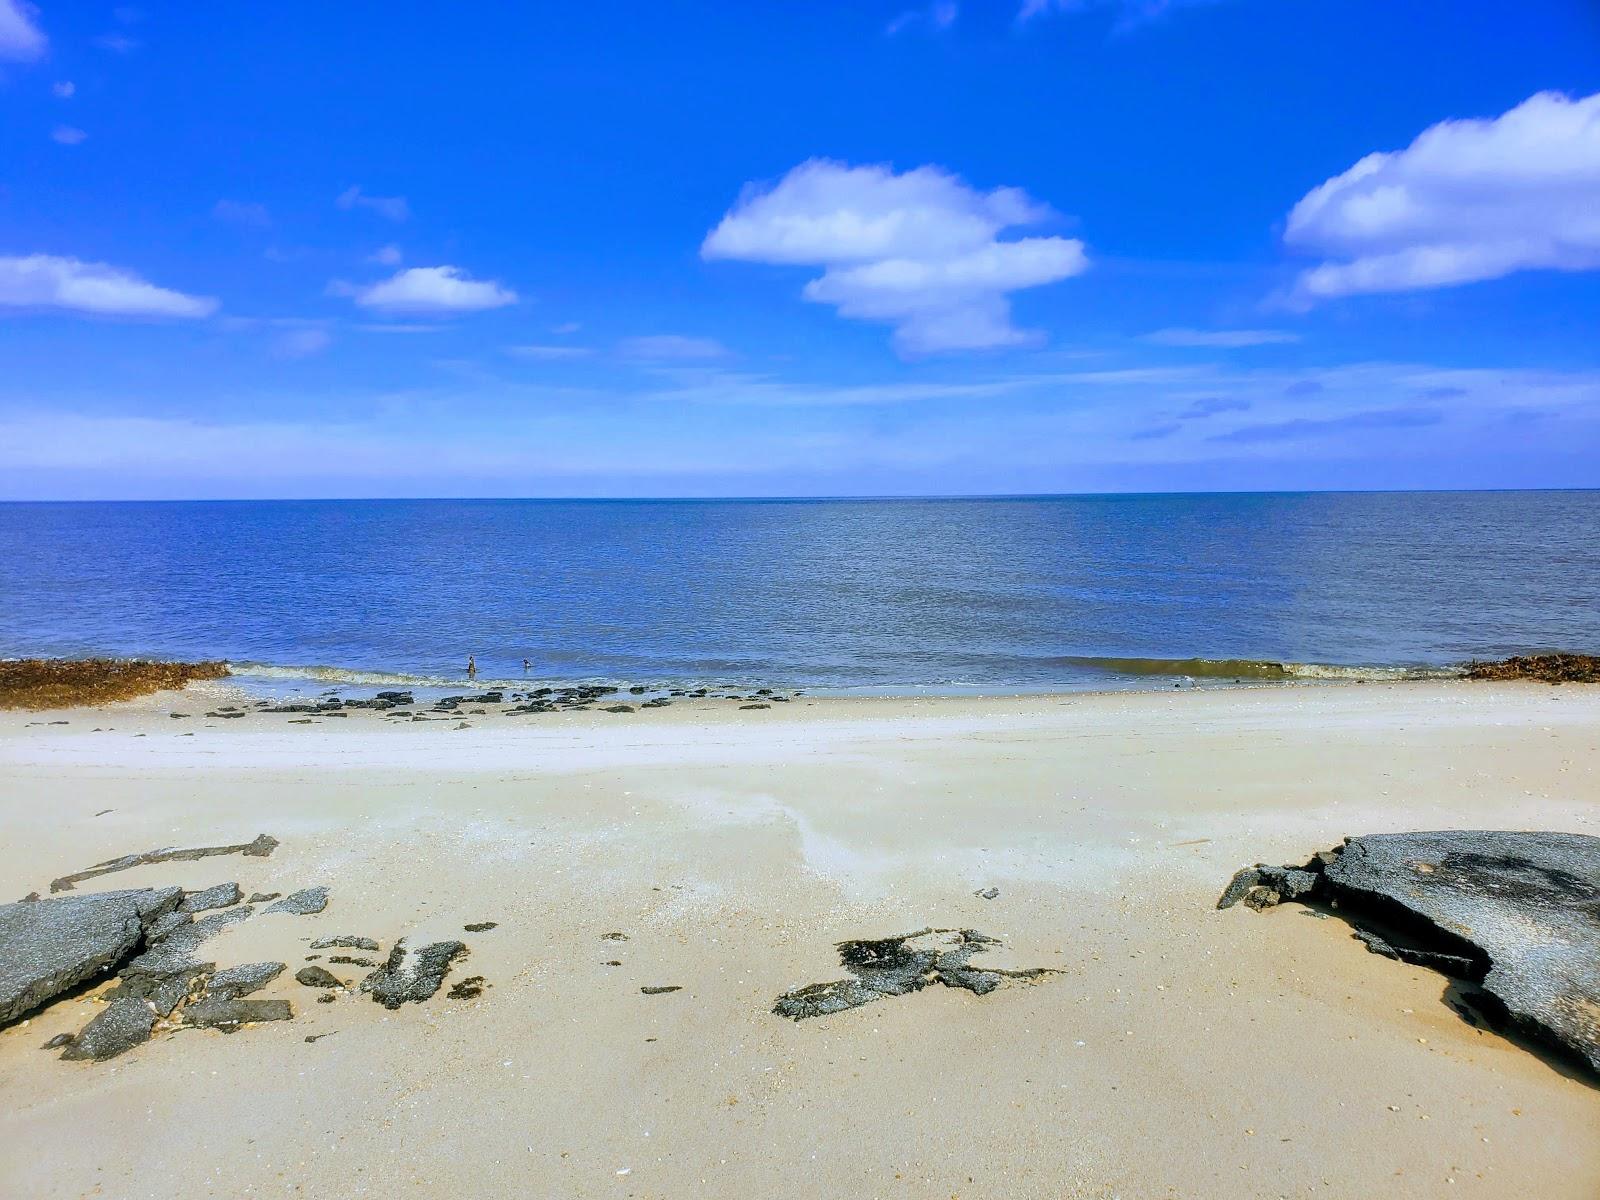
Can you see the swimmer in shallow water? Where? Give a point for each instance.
(472, 665)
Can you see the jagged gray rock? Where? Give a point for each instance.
(897, 966)
(1517, 913)
(302, 903)
(262, 846)
(219, 896)
(411, 975)
(121, 1025)
(235, 983)
(175, 950)
(49, 946)
(344, 941)
(215, 1012)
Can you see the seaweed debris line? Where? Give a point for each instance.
(1516, 914)
(38, 683)
(897, 966)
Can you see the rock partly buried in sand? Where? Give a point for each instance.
(49, 946)
(220, 896)
(260, 848)
(121, 1025)
(897, 966)
(175, 950)
(318, 977)
(1516, 913)
(411, 975)
(346, 941)
(235, 983)
(215, 1012)
(303, 903)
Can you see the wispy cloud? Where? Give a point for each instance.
(1307, 427)
(246, 213)
(430, 290)
(1129, 13)
(21, 39)
(1226, 339)
(549, 353)
(303, 343)
(68, 135)
(387, 256)
(919, 250)
(1466, 201)
(45, 281)
(64, 89)
(393, 208)
(671, 347)
(1210, 406)
(117, 43)
(937, 16)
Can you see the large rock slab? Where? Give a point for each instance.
(49, 946)
(1516, 913)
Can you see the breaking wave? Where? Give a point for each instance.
(1253, 669)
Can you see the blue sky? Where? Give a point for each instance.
(971, 246)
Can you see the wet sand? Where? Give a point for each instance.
(1180, 1052)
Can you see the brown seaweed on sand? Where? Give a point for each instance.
(38, 683)
(1544, 668)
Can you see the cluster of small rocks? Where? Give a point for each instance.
(403, 704)
(152, 939)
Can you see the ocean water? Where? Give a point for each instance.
(989, 594)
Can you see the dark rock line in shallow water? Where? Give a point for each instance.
(1515, 914)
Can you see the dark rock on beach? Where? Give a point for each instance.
(214, 1012)
(175, 950)
(897, 966)
(475, 927)
(121, 1025)
(1516, 914)
(346, 941)
(262, 846)
(219, 896)
(317, 977)
(412, 975)
(49, 946)
(235, 983)
(302, 903)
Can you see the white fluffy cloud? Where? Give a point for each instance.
(21, 39)
(434, 290)
(45, 281)
(1466, 201)
(919, 250)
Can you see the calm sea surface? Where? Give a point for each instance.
(989, 594)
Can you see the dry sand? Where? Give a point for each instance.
(1181, 1052)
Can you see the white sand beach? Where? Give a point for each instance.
(1179, 1052)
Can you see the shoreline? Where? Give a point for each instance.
(1273, 1053)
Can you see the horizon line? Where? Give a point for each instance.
(793, 497)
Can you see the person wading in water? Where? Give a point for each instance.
(472, 667)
